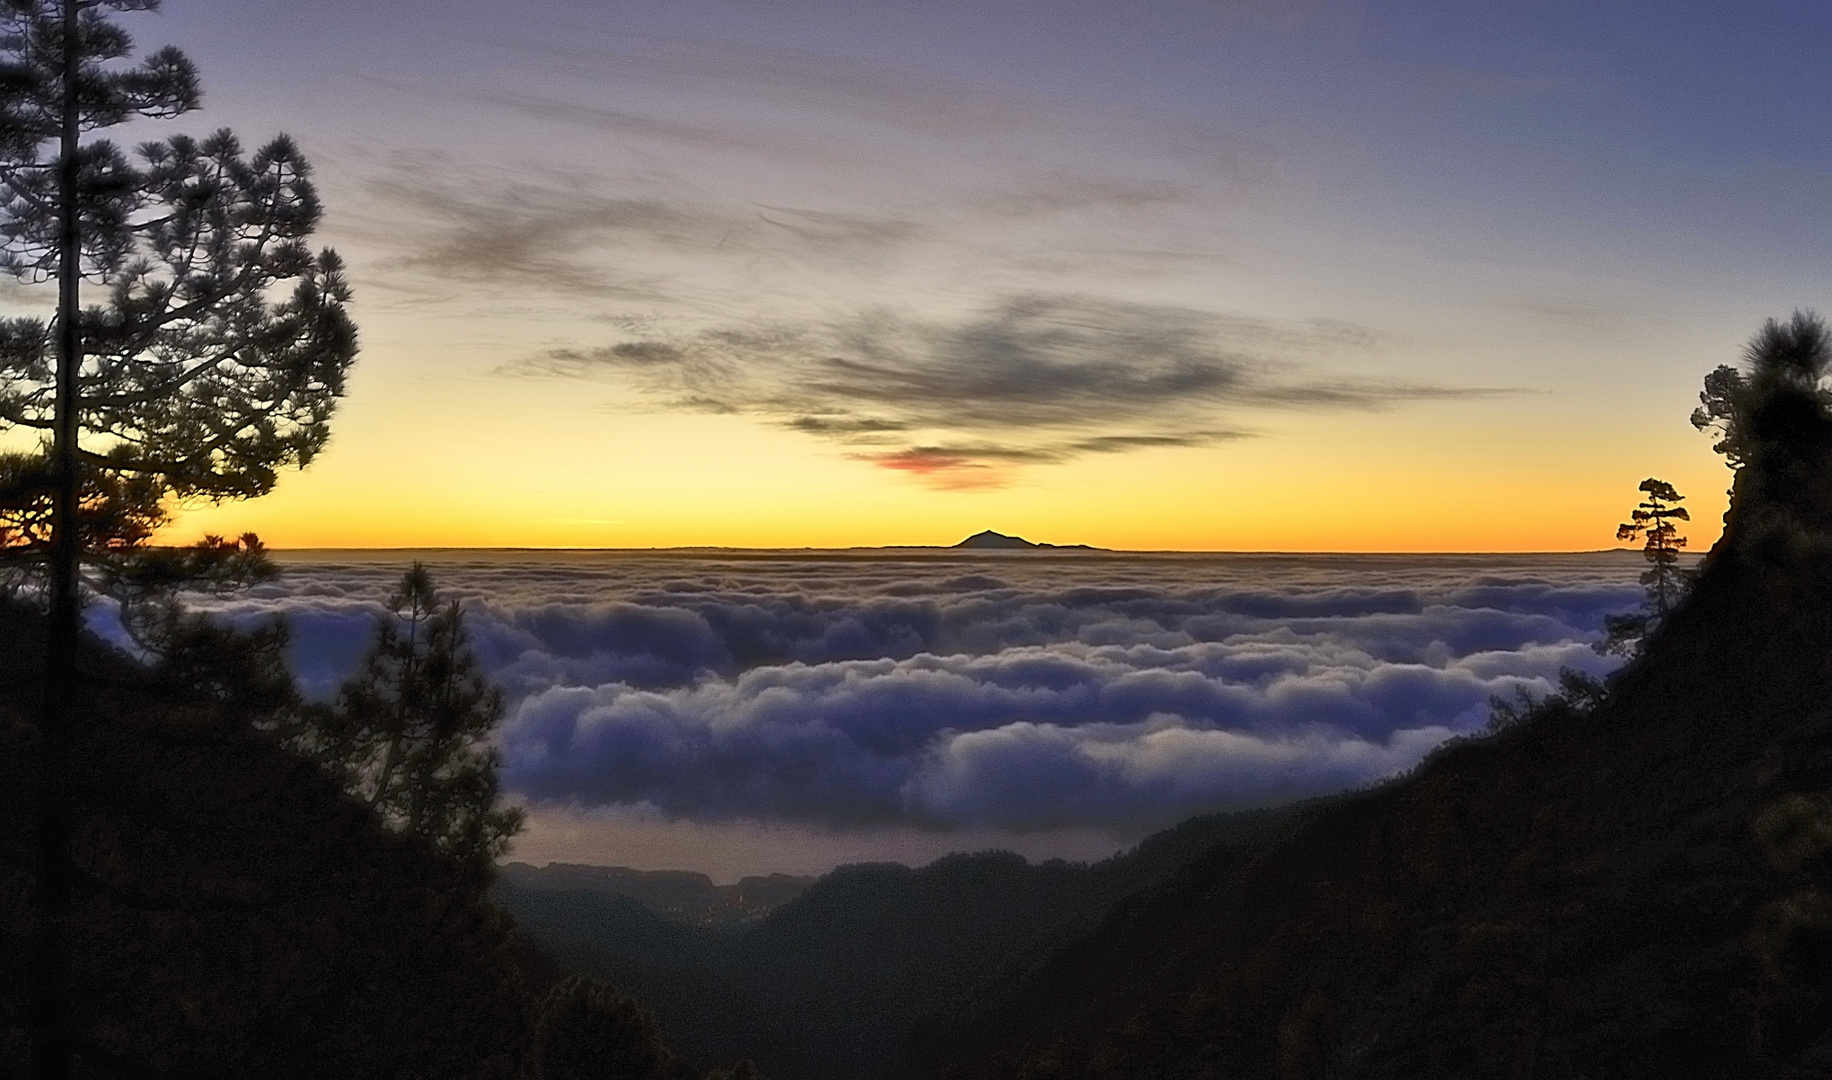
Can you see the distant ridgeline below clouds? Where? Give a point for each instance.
(951, 689)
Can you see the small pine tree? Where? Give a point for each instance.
(1764, 414)
(409, 733)
(1653, 522)
(1653, 519)
(1722, 404)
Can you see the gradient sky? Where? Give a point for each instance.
(1220, 275)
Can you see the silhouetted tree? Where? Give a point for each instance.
(1767, 417)
(586, 1030)
(409, 733)
(191, 380)
(1782, 356)
(1720, 402)
(1624, 632)
(1653, 518)
(222, 345)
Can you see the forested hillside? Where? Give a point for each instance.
(835, 982)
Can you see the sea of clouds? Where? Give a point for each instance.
(944, 691)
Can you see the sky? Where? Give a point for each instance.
(1218, 274)
(739, 713)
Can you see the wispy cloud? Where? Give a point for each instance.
(557, 234)
(722, 174)
(835, 246)
(797, 82)
(1034, 379)
(522, 230)
(1064, 192)
(1479, 81)
(624, 122)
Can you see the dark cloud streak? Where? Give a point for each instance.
(1035, 379)
(553, 231)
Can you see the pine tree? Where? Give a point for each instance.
(1653, 519)
(1763, 414)
(192, 379)
(219, 352)
(409, 733)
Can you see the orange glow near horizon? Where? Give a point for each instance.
(773, 491)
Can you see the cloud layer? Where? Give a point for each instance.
(940, 691)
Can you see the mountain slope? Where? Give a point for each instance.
(833, 983)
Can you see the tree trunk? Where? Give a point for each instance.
(52, 1035)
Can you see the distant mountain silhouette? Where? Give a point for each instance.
(997, 541)
(829, 985)
(675, 894)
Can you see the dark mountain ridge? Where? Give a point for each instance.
(832, 983)
(988, 540)
(673, 894)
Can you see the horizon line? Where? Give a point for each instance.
(1059, 549)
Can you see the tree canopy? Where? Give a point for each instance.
(219, 345)
(1653, 520)
(409, 732)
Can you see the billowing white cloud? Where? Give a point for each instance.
(1031, 736)
(933, 690)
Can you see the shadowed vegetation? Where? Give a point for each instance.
(234, 913)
